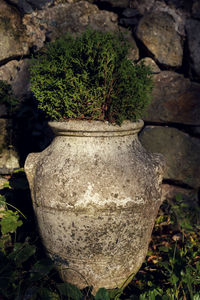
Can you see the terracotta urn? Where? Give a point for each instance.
(96, 193)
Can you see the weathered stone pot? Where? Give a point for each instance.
(96, 192)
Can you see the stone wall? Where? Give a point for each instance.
(164, 34)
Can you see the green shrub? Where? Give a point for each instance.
(90, 77)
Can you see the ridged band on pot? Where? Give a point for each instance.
(96, 192)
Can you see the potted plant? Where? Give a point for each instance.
(95, 189)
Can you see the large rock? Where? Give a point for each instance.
(9, 71)
(130, 17)
(143, 6)
(193, 34)
(182, 153)
(21, 82)
(170, 192)
(48, 23)
(133, 51)
(18, 35)
(12, 33)
(153, 6)
(174, 99)
(178, 15)
(27, 6)
(157, 32)
(73, 18)
(147, 61)
(68, 17)
(16, 73)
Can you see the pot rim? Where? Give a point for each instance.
(94, 128)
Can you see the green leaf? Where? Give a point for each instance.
(7, 185)
(163, 249)
(179, 197)
(165, 265)
(102, 294)
(2, 201)
(31, 293)
(4, 240)
(41, 269)
(69, 290)
(22, 252)
(152, 294)
(46, 294)
(10, 222)
(174, 279)
(115, 293)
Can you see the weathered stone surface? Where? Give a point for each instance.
(130, 12)
(27, 6)
(127, 22)
(134, 51)
(182, 153)
(174, 99)
(170, 192)
(178, 15)
(9, 71)
(17, 74)
(101, 230)
(153, 6)
(157, 6)
(143, 6)
(130, 17)
(8, 157)
(151, 63)
(21, 82)
(68, 17)
(12, 33)
(193, 34)
(157, 32)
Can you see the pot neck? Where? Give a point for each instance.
(95, 128)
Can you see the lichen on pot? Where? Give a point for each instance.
(96, 193)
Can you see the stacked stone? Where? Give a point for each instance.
(164, 34)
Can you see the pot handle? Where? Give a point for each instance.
(159, 163)
(160, 166)
(30, 167)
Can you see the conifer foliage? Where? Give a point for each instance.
(90, 77)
